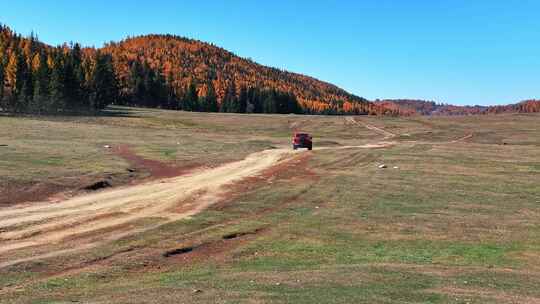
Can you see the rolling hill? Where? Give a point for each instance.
(183, 61)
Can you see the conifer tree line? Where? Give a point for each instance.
(149, 88)
(35, 78)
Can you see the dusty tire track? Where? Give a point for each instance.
(44, 223)
(387, 134)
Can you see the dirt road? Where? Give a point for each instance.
(387, 134)
(165, 200)
(113, 214)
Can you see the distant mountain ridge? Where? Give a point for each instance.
(423, 107)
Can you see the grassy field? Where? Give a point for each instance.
(453, 218)
(64, 150)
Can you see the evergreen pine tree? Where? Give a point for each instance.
(73, 79)
(41, 84)
(180, 96)
(157, 89)
(255, 98)
(148, 79)
(224, 106)
(2, 85)
(137, 84)
(27, 92)
(269, 103)
(103, 83)
(234, 105)
(57, 86)
(230, 101)
(151, 87)
(211, 98)
(242, 100)
(171, 94)
(203, 107)
(294, 105)
(23, 104)
(191, 99)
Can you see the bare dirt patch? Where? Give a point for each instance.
(156, 169)
(218, 249)
(16, 192)
(12, 193)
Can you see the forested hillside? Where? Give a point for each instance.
(183, 64)
(160, 71)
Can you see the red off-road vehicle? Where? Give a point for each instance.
(302, 140)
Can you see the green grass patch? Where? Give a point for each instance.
(274, 255)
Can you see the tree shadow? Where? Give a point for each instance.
(116, 111)
(111, 111)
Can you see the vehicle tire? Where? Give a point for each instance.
(310, 148)
(294, 147)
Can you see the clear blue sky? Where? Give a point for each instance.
(457, 51)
